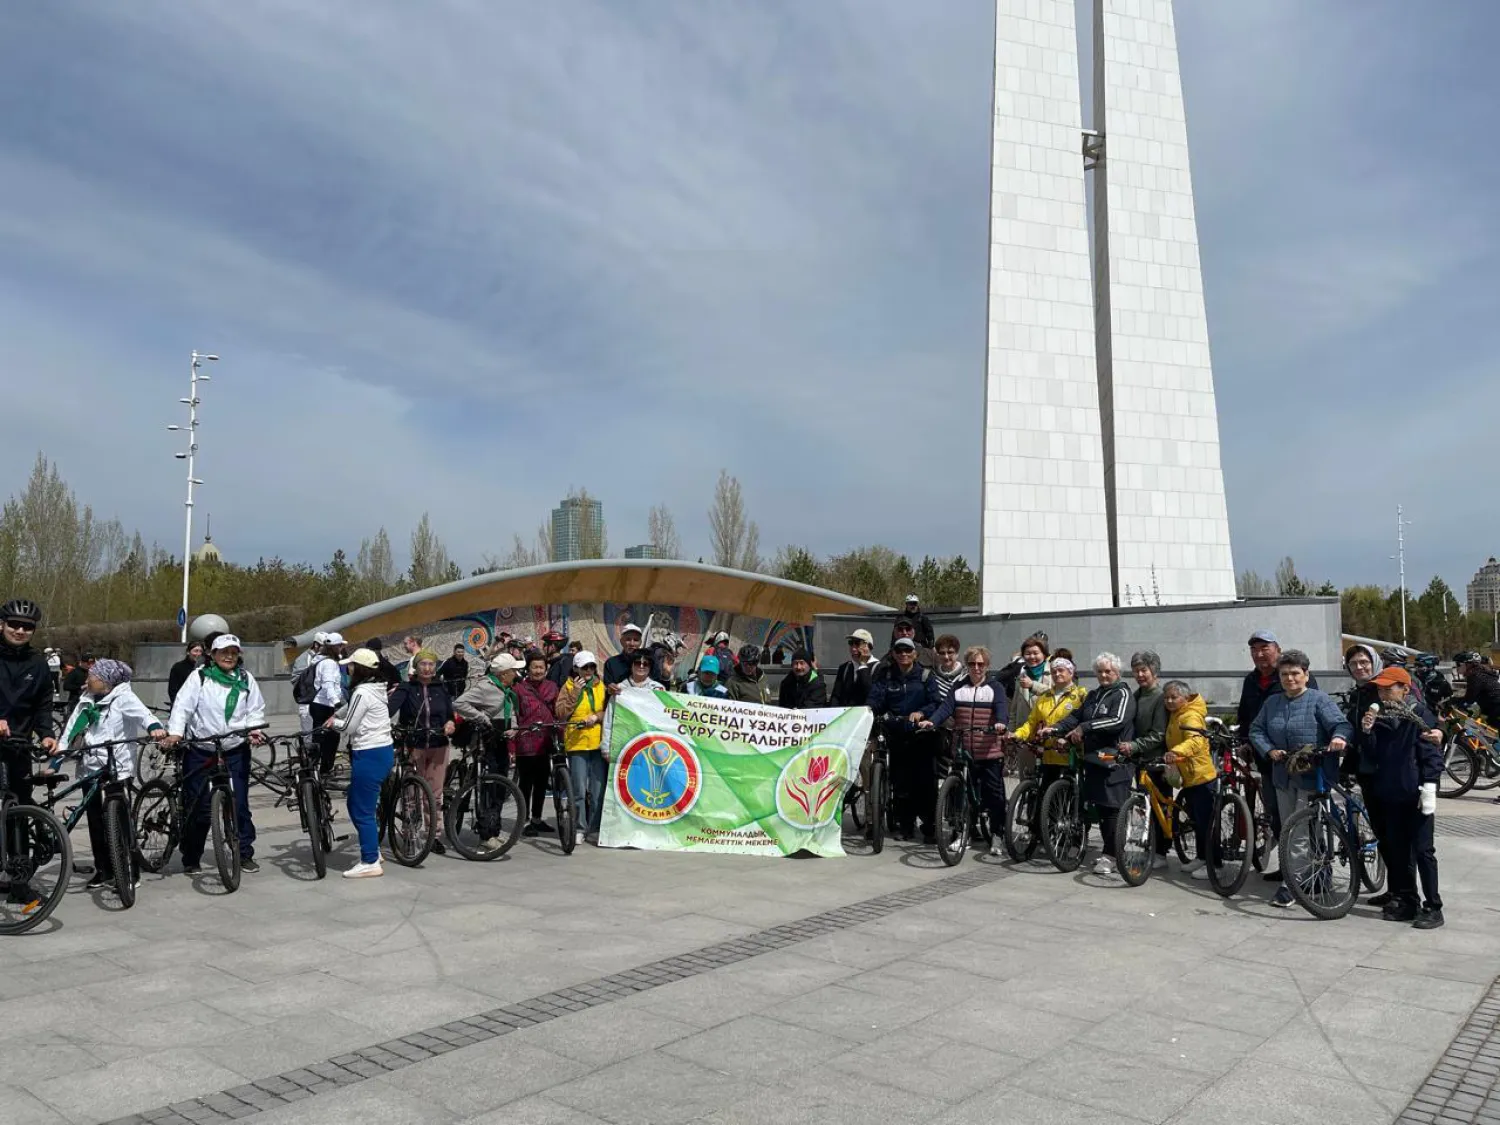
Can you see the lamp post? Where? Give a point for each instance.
(1400, 558)
(190, 457)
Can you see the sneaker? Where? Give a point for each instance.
(591, 838)
(249, 865)
(544, 828)
(1430, 918)
(531, 830)
(1397, 911)
(25, 897)
(1271, 876)
(439, 848)
(365, 871)
(1283, 897)
(1193, 866)
(96, 882)
(192, 868)
(1158, 863)
(1104, 866)
(997, 850)
(492, 844)
(1200, 872)
(1380, 900)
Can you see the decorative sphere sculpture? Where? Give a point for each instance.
(204, 624)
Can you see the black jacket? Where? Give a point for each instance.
(454, 674)
(178, 676)
(1482, 686)
(803, 692)
(616, 669)
(1394, 762)
(73, 683)
(26, 691)
(1107, 717)
(559, 668)
(1253, 698)
(851, 684)
(423, 711)
(925, 637)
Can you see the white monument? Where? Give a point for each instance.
(1102, 482)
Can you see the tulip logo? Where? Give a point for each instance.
(809, 791)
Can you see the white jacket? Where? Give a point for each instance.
(365, 719)
(123, 715)
(198, 710)
(329, 680)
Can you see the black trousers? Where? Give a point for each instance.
(1158, 777)
(914, 779)
(990, 774)
(1404, 836)
(93, 811)
(17, 774)
(326, 741)
(533, 774)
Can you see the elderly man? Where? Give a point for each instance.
(851, 683)
(803, 689)
(747, 683)
(1261, 683)
(906, 628)
(903, 694)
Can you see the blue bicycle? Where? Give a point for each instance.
(1327, 847)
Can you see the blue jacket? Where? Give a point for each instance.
(897, 695)
(1312, 719)
(1394, 762)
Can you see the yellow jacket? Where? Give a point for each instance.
(1050, 709)
(573, 706)
(1195, 759)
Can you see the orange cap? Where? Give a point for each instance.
(1389, 676)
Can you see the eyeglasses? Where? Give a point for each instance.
(977, 663)
(21, 626)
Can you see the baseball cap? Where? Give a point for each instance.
(333, 639)
(1263, 637)
(505, 662)
(583, 658)
(709, 664)
(1393, 675)
(862, 635)
(320, 637)
(905, 642)
(223, 640)
(630, 627)
(364, 657)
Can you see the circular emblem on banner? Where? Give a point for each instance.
(810, 790)
(658, 779)
(478, 637)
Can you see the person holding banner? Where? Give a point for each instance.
(707, 681)
(804, 689)
(978, 708)
(580, 706)
(903, 693)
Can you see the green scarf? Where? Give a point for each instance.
(88, 715)
(508, 710)
(236, 682)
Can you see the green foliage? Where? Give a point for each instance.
(879, 574)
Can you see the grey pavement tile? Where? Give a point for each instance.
(481, 1078)
(1011, 1105)
(941, 1069)
(1394, 1021)
(271, 963)
(845, 1012)
(1095, 1077)
(1246, 1097)
(536, 1110)
(1154, 1040)
(1304, 1046)
(1028, 1032)
(1253, 1013)
(405, 1010)
(135, 1084)
(21, 1107)
(607, 1034)
(297, 992)
(1439, 966)
(652, 1089)
(858, 949)
(754, 1047)
(37, 1055)
(826, 1098)
(369, 1103)
(184, 1024)
(928, 986)
(1415, 989)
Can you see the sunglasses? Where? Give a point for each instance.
(977, 663)
(22, 626)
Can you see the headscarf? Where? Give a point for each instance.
(423, 654)
(1064, 662)
(1368, 651)
(112, 672)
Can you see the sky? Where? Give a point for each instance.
(461, 256)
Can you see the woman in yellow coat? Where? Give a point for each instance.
(1189, 752)
(1051, 706)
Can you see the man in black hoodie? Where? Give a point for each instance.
(454, 673)
(25, 707)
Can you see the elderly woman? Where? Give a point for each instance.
(1299, 716)
(1106, 716)
(1033, 678)
(977, 709)
(1150, 731)
(422, 710)
(1189, 753)
(1062, 698)
(1363, 665)
(494, 702)
(536, 696)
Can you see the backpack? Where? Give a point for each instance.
(305, 685)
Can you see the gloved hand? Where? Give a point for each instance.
(1428, 800)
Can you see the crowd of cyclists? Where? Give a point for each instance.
(532, 698)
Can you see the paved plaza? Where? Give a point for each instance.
(628, 987)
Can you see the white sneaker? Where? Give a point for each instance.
(1104, 866)
(1192, 867)
(1159, 863)
(492, 844)
(997, 851)
(365, 871)
(1199, 872)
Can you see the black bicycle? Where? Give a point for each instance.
(483, 812)
(36, 856)
(109, 784)
(407, 811)
(868, 806)
(159, 812)
(305, 792)
(961, 816)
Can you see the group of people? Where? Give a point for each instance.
(535, 699)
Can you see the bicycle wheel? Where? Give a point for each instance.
(1460, 770)
(1488, 774)
(1135, 839)
(311, 804)
(854, 807)
(411, 820)
(151, 762)
(1019, 832)
(875, 806)
(118, 829)
(1184, 839)
(1319, 862)
(157, 826)
(36, 872)
(1264, 840)
(226, 838)
(563, 806)
(1062, 825)
(1371, 863)
(952, 819)
(1231, 844)
(484, 820)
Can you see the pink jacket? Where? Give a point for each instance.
(536, 701)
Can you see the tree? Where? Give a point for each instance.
(661, 533)
(1327, 589)
(1252, 585)
(1288, 584)
(734, 537)
(798, 564)
(430, 564)
(376, 568)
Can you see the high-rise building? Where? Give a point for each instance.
(1484, 590)
(577, 530)
(1101, 449)
(643, 551)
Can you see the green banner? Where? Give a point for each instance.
(690, 773)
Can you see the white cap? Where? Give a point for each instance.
(364, 657)
(334, 639)
(630, 627)
(862, 635)
(913, 598)
(584, 659)
(226, 640)
(320, 637)
(505, 662)
(721, 636)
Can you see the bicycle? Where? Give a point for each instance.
(304, 791)
(1023, 812)
(160, 816)
(1470, 759)
(1240, 837)
(36, 855)
(475, 799)
(1065, 817)
(961, 816)
(1319, 855)
(1147, 813)
(407, 811)
(119, 823)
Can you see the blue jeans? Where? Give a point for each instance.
(195, 791)
(588, 772)
(368, 770)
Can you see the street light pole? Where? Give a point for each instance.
(1400, 556)
(190, 457)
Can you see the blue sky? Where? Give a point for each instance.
(459, 256)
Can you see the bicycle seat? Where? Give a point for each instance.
(50, 780)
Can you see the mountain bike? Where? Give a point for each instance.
(160, 813)
(1021, 832)
(36, 856)
(1470, 758)
(564, 799)
(1239, 839)
(407, 812)
(1146, 814)
(483, 813)
(108, 784)
(1065, 818)
(958, 803)
(1320, 857)
(304, 791)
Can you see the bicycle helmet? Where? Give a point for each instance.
(21, 609)
(1466, 657)
(1393, 658)
(1427, 660)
